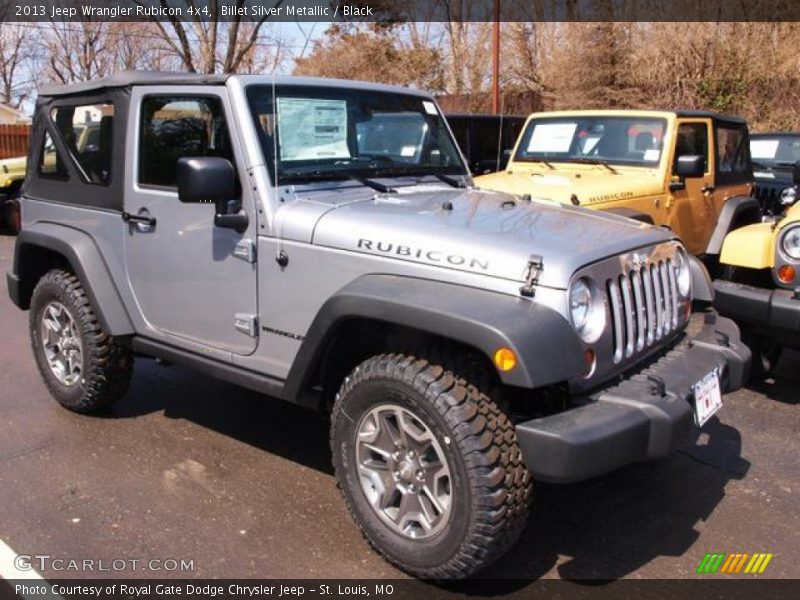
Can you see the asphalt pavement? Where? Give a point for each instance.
(186, 468)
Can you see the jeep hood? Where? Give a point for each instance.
(481, 232)
(592, 184)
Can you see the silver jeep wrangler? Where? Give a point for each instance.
(321, 241)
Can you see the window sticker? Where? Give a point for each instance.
(764, 149)
(408, 151)
(312, 128)
(652, 155)
(430, 107)
(552, 137)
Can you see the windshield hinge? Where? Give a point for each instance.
(532, 271)
(247, 324)
(246, 250)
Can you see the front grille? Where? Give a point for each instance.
(644, 307)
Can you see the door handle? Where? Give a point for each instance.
(708, 189)
(143, 222)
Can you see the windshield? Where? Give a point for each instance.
(329, 133)
(777, 151)
(635, 141)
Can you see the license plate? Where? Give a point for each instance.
(707, 398)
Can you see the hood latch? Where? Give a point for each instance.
(532, 272)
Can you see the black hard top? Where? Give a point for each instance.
(708, 114)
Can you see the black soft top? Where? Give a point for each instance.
(129, 78)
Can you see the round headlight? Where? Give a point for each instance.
(586, 310)
(790, 242)
(788, 196)
(683, 273)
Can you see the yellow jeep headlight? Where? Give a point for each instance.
(788, 196)
(790, 242)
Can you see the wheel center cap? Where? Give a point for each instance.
(406, 470)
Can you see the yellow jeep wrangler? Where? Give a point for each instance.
(686, 170)
(761, 286)
(12, 173)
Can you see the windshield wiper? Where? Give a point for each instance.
(593, 161)
(536, 160)
(451, 179)
(759, 165)
(316, 174)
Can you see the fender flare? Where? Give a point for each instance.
(548, 349)
(702, 288)
(85, 259)
(629, 213)
(743, 210)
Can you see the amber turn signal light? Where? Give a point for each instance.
(591, 360)
(786, 273)
(505, 359)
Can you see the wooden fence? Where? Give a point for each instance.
(14, 140)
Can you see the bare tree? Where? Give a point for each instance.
(203, 45)
(78, 51)
(16, 53)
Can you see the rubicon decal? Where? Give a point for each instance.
(735, 562)
(437, 256)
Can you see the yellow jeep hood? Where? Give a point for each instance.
(592, 184)
(753, 246)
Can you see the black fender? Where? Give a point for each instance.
(702, 288)
(629, 213)
(547, 347)
(737, 211)
(79, 250)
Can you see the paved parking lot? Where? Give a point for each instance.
(186, 467)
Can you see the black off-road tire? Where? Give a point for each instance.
(107, 366)
(491, 485)
(766, 354)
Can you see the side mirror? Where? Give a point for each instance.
(690, 165)
(209, 179)
(205, 179)
(796, 173)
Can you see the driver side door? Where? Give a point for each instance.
(691, 211)
(194, 283)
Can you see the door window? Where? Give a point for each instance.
(86, 132)
(51, 165)
(692, 140)
(174, 127)
(733, 159)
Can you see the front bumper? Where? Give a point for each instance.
(772, 312)
(646, 416)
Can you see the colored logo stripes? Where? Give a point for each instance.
(736, 562)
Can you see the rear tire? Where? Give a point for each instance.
(481, 504)
(12, 216)
(85, 369)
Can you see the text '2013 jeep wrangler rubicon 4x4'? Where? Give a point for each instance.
(268, 232)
